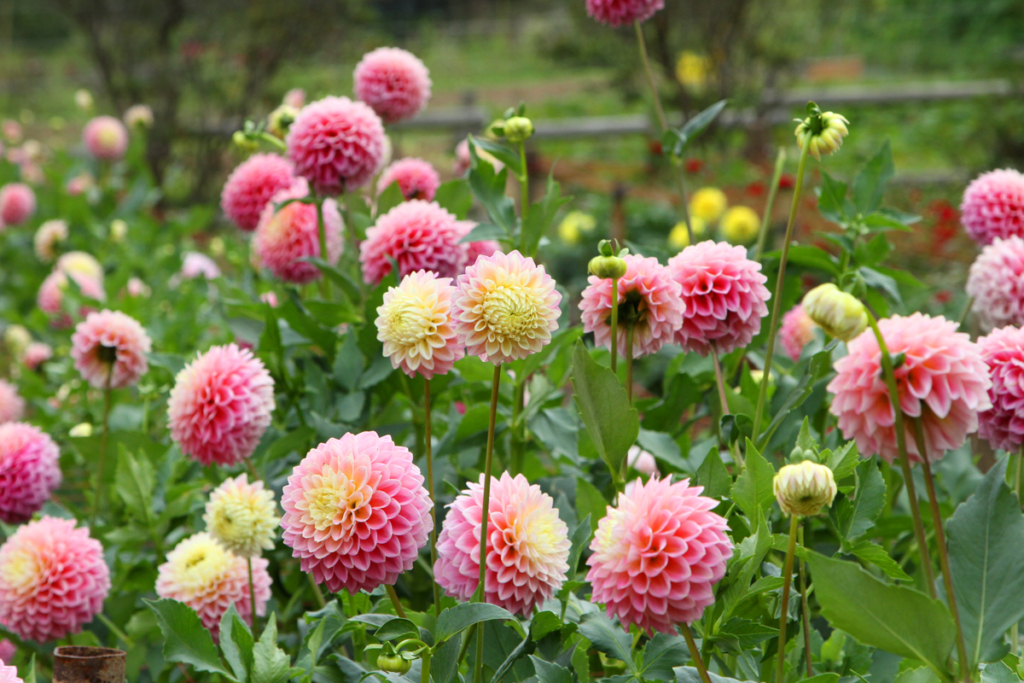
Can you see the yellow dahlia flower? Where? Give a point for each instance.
(242, 516)
(708, 204)
(680, 239)
(740, 224)
(415, 323)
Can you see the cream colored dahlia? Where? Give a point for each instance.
(415, 323)
(242, 516)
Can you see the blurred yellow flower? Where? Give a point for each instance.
(708, 204)
(740, 224)
(574, 225)
(680, 239)
(692, 69)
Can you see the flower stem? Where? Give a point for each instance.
(252, 597)
(100, 496)
(524, 184)
(321, 229)
(806, 612)
(1014, 634)
(321, 603)
(723, 398)
(691, 645)
(615, 323)
(940, 541)
(889, 374)
(428, 450)
(787, 576)
(518, 436)
(629, 363)
(773, 325)
(399, 610)
(479, 595)
(425, 666)
(967, 310)
(115, 630)
(780, 162)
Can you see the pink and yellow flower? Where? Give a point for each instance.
(109, 349)
(415, 324)
(29, 471)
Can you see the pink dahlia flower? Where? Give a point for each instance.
(653, 306)
(106, 138)
(993, 206)
(17, 203)
(418, 235)
(796, 331)
(36, 354)
(109, 349)
(53, 580)
(12, 405)
(221, 405)
(416, 178)
(336, 144)
(724, 293)
(943, 381)
(48, 236)
(83, 269)
(996, 282)
(393, 82)
(7, 653)
(506, 307)
(194, 265)
(415, 323)
(286, 236)
(462, 158)
(356, 512)
(209, 578)
(658, 554)
(1002, 425)
(251, 185)
(295, 98)
(622, 12)
(527, 545)
(29, 471)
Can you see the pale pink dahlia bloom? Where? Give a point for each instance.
(17, 203)
(336, 144)
(83, 269)
(463, 160)
(221, 405)
(796, 331)
(106, 138)
(12, 405)
(287, 235)
(506, 307)
(356, 512)
(658, 554)
(993, 206)
(47, 237)
(53, 580)
(194, 265)
(29, 471)
(724, 293)
(415, 324)
(418, 235)
(395, 83)
(416, 178)
(1002, 425)
(209, 578)
(7, 652)
(622, 12)
(996, 282)
(942, 380)
(653, 306)
(527, 545)
(36, 354)
(110, 347)
(251, 185)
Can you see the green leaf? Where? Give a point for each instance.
(819, 365)
(869, 186)
(236, 643)
(460, 617)
(713, 476)
(589, 502)
(832, 199)
(998, 672)
(445, 662)
(501, 152)
(877, 555)
(899, 620)
(397, 628)
(857, 516)
(986, 553)
(612, 423)
(808, 257)
(752, 491)
(661, 655)
(186, 640)
(454, 197)
(489, 189)
(922, 674)
(688, 674)
(676, 140)
(270, 663)
(390, 198)
(30, 677)
(542, 214)
(741, 635)
(134, 484)
(580, 537)
(482, 232)
(663, 447)
(547, 672)
(608, 637)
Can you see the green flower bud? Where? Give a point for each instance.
(396, 664)
(518, 129)
(839, 314)
(805, 488)
(280, 120)
(242, 141)
(607, 267)
(823, 132)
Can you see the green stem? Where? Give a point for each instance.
(1014, 635)
(399, 610)
(724, 400)
(805, 610)
(787, 577)
(481, 589)
(615, 323)
(252, 597)
(428, 449)
(780, 162)
(115, 630)
(252, 470)
(317, 595)
(524, 184)
(773, 325)
(518, 437)
(629, 363)
(468, 638)
(321, 229)
(967, 310)
(691, 645)
(889, 374)
(100, 496)
(425, 666)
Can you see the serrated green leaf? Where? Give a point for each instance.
(998, 672)
(662, 654)
(608, 637)
(663, 447)
(134, 483)
(688, 674)
(832, 198)
(857, 516)
(713, 476)
(869, 185)
(270, 663)
(186, 640)
(548, 672)
(752, 491)
(489, 189)
(612, 423)
(589, 502)
(542, 214)
(460, 617)
(876, 555)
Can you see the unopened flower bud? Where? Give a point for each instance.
(395, 664)
(804, 489)
(83, 98)
(80, 431)
(280, 120)
(607, 267)
(242, 140)
(118, 230)
(839, 314)
(823, 132)
(17, 339)
(518, 129)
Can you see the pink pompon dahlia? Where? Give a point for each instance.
(83, 269)
(109, 349)
(622, 12)
(209, 578)
(463, 160)
(395, 83)
(221, 405)
(29, 471)
(657, 555)
(996, 283)
(416, 178)
(106, 138)
(7, 652)
(993, 206)
(35, 355)
(1002, 425)
(527, 545)
(53, 580)
(356, 512)
(336, 144)
(12, 405)
(653, 306)
(194, 265)
(725, 296)
(415, 323)
(17, 203)
(942, 380)
(251, 185)
(418, 235)
(286, 236)
(796, 331)
(506, 307)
